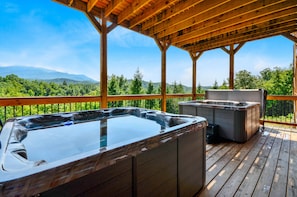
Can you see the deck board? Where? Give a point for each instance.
(266, 165)
(281, 173)
(292, 175)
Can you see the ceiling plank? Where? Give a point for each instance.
(251, 18)
(91, 4)
(112, 6)
(213, 16)
(239, 29)
(243, 36)
(248, 31)
(132, 8)
(193, 11)
(162, 16)
(152, 11)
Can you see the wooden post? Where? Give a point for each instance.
(231, 68)
(103, 30)
(163, 46)
(295, 79)
(293, 36)
(103, 62)
(231, 53)
(194, 57)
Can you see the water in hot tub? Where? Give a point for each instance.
(52, 144)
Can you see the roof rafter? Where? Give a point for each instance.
(153, 10)
(165, 14)
(250, 18)
(91, 4)
(243, 35)
(132, 8)
(168, 21)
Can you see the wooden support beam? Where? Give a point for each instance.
(295, 80)
(231, 68)
(94, 21)
(103, 63)
(194, 57)
(291, 36)
(231, 53)
(163, 46)
(103, 29)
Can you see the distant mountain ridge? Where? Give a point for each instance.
(35, 73)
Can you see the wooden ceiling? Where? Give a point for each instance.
(197, 25)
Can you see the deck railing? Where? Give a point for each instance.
(279, 109)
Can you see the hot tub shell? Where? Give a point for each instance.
(172, 161)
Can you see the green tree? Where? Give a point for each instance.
(150, 104)
(224, 85)
(136, 86)
(215, 85)
(245, 80)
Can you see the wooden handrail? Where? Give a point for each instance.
(28, 101)
(18, 101)
(282, 97)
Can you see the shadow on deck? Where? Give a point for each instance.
(266, 165)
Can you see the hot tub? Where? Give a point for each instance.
(237, 121)
(109, 152)
(236, 113)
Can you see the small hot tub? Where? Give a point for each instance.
(236, 112)
(103, 152)
(237, 121)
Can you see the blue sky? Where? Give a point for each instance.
(49, 35)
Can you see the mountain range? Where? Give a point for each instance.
(34, 73)
(37, 73)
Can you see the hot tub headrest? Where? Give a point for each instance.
(250, 95)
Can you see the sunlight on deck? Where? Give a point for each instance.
(263, 166)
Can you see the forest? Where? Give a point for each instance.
(277, 81)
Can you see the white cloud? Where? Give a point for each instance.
(127, 39)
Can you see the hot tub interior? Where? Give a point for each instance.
(52, 153)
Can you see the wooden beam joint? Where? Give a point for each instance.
(291, 36)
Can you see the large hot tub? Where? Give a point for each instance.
(119, 151)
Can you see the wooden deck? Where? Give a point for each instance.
(266, 165)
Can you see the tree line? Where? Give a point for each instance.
(277, 81)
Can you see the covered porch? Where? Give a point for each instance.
(263, 166)
(193, 26)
